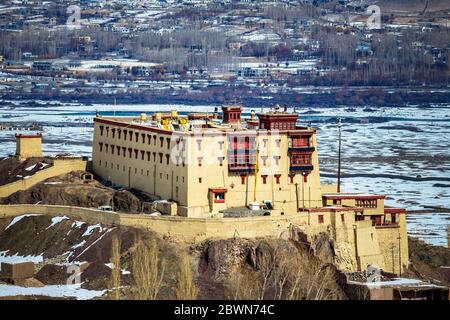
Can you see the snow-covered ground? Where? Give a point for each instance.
(55, 291)
(4, 257)
(403, 143)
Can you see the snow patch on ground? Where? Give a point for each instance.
(91, 229)
(57, 220)
(82, 243)
(56, 291)
(18, 218)
(30, 168)
(18, 259)
(112, 266)
(77, 224)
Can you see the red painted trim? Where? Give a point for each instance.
(205, 132)
(318, 210)
(394, 210)
(334, 197)
(131, 126)
(218, 190)
(387, 226)
(29, 136)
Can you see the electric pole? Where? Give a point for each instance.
(339, 156)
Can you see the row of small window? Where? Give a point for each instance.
(142, 171)
(301, 159)
(137, 154)
(367, 203)
(129, 135)
(277, 178)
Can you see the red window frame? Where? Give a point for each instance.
(320, 218)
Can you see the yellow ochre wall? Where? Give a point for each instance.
(28, 146)
(58, 167)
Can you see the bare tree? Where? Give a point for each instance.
(114, 281)
(148, 271)
(185, 286)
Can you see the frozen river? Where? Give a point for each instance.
(402, 152)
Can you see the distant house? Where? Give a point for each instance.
(42, 66)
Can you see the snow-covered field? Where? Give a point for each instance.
(386, 148)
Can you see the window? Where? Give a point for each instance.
(278, 141)
(221, 161)
(300, 142)
(161, 139)
(100, 144)
(101, 131)
(264, 179)
(277, 178)
(143, 137)
(277, 160)
(393, 218)
(264, 159)
(305, 178)
(291, 178)
(136, 153)
(160, 157)
(106, 148)
(142, 154)
(337, 201)
(199, 161)
(200, 180)
(168, 143)
(342, 218)
(113, 131)
(219, 197)
(199, 144)
(243, 179)
(137, 136)
(320, 217)
(366, 203)
(376, 220)
(301, 159)
(125, 132)
(167, 158)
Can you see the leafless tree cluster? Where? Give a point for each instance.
(285, 275)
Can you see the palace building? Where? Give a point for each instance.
(206, 165)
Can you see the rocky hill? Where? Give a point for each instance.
(223, 269)
(71, 190)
